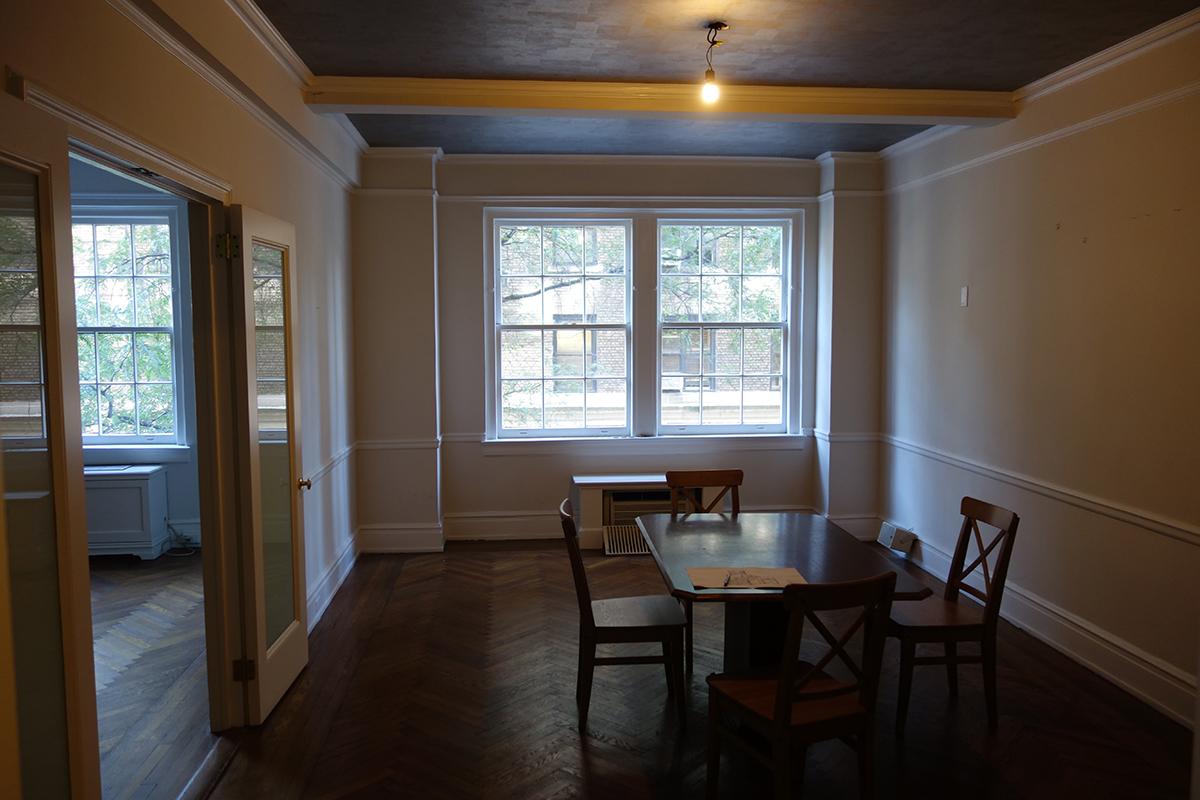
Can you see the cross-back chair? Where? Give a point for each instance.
(804, 704)
(621, 620)
(949, 621)
(687, 488)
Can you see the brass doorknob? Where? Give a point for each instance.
(304, 483)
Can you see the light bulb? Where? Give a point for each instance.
(710, 92)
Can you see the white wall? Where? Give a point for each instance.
(258, 139)
(424, 472)
(1067, 389)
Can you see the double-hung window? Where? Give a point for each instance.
(700, 346)
(562, 311)
(125, 305)
(722, 316)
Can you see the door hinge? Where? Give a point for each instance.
(244, 670)
(228, 246)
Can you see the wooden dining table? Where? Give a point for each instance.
(754, 618)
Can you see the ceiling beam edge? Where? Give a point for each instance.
(347, 95)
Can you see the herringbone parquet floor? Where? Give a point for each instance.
(151, 675)
(452, 675)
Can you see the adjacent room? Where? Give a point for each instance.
(137, 408)
(624, 399)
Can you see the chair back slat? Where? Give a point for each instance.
(571, 534)
(994, 575)
(872, 597)
(687, 485)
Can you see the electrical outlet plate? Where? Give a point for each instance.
(896, 538)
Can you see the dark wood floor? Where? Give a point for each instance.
(151, 676)
(452, 675)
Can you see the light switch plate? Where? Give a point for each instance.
(962, 298)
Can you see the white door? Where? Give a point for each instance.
(264, 256)
(46, 642)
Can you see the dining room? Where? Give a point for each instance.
(631, 399)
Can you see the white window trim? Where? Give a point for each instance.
(494, 326)
(93, 209)
(644, 367)
(786, 326)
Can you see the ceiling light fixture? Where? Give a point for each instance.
(711, 92)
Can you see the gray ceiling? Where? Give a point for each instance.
(944, 44)
(613, 135)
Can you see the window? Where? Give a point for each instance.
(125, 306)
(722, 325)
(562, 313)
(566, 352)
(22, 378)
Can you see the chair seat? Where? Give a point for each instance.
(757, 695)
(650, 611)
(935, 612)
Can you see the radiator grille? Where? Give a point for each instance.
(624, 540)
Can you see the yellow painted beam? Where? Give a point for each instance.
(584, 98)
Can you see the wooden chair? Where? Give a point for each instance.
(686, 488)
(621, 620)
(947, 620)
(803, 704)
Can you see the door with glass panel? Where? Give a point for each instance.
(48, 658)
(263, 252)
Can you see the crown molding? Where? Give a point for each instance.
(617, 159)
(1093, 65)
(236, 91)
(847, 156)
(346, 125)
(401, 153)
(1170, 96)
(270, 38)
(922, 139)
(338, 94)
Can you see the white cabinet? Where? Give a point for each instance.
(127, 510)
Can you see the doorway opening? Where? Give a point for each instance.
(130, 252)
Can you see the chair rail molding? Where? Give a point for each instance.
(1162, 685)
(1172, 528)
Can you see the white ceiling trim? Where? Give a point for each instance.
(1171, 96)
(1105, 60)
(252, 104)
(270, 37)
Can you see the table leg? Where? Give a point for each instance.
(754, 634)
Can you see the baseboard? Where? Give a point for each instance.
(502, 525)
(864, 527)
(1147, 677)
(400, 537)
(322, 594)
(188, 530)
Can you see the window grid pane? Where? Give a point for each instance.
(562, 321)
(722, 324)
(124, 303)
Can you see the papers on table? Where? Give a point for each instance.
(743, 577)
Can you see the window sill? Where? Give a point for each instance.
(657, 445)
(100, 454)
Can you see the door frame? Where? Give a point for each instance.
(46, 156)
(216, 428)
(217, 420)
